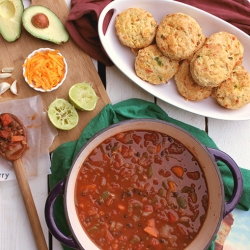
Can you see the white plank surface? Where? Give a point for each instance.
(15, 227)
(120, 88)
(233, 138)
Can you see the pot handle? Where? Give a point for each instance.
(237, 177)
(58, 189)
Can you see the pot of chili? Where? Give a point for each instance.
(144, 184)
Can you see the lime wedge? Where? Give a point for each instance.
(62, 114)
(83, 96)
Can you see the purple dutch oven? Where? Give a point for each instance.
(218, 208)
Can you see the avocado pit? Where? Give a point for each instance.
(40, 21)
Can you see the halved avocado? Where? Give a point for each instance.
(11, 19)
(44, 24)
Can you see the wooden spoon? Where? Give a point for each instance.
(13, 144)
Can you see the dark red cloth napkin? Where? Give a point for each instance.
(82, 25)
(236, 12)
(83, 20)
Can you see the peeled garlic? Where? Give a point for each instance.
(5, 75)
(7, 70)
(4, 86)
(13, 87)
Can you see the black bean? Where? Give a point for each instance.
(88, 219)
(129, 225)
(137, 154)
(130, 193)
(123, 195)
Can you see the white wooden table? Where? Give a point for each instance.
(233, 137)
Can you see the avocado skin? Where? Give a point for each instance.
(55, 32)
(11, 26)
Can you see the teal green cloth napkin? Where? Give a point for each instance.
(64, 155)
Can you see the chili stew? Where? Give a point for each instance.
(141, 190)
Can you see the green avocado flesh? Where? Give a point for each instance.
(55, 32)
(11, 19)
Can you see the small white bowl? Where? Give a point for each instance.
(41, 89)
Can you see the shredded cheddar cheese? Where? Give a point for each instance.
(45, 69)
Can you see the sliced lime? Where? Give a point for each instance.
(83, 96)
(62, 114)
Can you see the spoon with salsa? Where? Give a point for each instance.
(13, 144)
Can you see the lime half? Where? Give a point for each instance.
(62, 114)
(83, 96)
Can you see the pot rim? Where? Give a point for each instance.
(142, 120)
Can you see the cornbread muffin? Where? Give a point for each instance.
(178, 36)
(135, 28)
(234, 93)
(214, 62)
(152, 66)
(187, 87)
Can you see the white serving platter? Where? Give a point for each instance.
(124, 59)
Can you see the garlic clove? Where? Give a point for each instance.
(13, 87)
(7, 70)
(5, 75)
(4, 86)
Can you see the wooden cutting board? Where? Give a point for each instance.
(80, 68)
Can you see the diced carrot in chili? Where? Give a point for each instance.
(119, 136)
(172, 186)
(158, 149)
(178, 171)
(6, 119)
(152, 231)
(17, 138)
(171, 217)
(151, 222)
(4, 134)
(121, 207)
(101, 213)
(91, 187)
